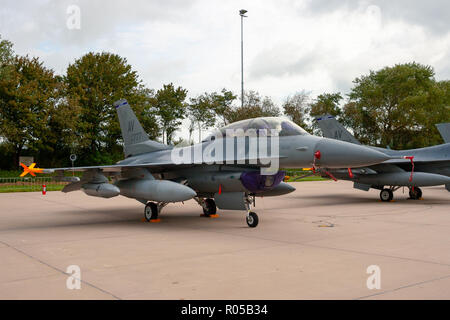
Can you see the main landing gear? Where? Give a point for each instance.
(386, 195)
(415, 193)
(152, 210)
(209, 207)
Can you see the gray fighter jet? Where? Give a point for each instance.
(228, 170)
(414, 168)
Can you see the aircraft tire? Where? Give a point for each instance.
(386, 195)
(151, 211)
(252, 220)
(209, 207)
(416, 195)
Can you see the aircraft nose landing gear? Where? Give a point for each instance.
(252, 219)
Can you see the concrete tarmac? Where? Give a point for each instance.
(315, 243)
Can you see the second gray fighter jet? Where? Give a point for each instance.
(415, 168)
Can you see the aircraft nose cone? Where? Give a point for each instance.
(332, 153)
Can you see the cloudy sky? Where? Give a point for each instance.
(290, 46)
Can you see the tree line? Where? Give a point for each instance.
(51, 116)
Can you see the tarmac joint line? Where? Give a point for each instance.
(59, 270)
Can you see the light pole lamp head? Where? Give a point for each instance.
(242, 12)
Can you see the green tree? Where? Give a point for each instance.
(30, 110)
(325, 104)
(201, 112)
(268, 108)
(296, 108)
(171, 109)
(398, 106)
(254, 106)
(444, 88)
(223, 105)
(147, 114)
(61, 136)
(95, 81)
(6, 55)
(6, 58)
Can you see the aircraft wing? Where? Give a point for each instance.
(118, 167)
(162, 166)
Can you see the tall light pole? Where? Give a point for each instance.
(242, 14)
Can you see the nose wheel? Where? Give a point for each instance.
(252, 219)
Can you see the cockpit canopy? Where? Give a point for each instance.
(264, 126)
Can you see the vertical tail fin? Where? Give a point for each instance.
(135, 139)
(331, 128)
(444, 130)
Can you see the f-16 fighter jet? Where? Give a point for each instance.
(228, 170)
(428, 166)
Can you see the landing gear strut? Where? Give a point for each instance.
(386, 195)
(416, 194)
(252, 218)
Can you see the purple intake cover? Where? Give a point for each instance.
(254, 182)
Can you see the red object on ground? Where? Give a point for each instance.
(220, 189)
(44, 189)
